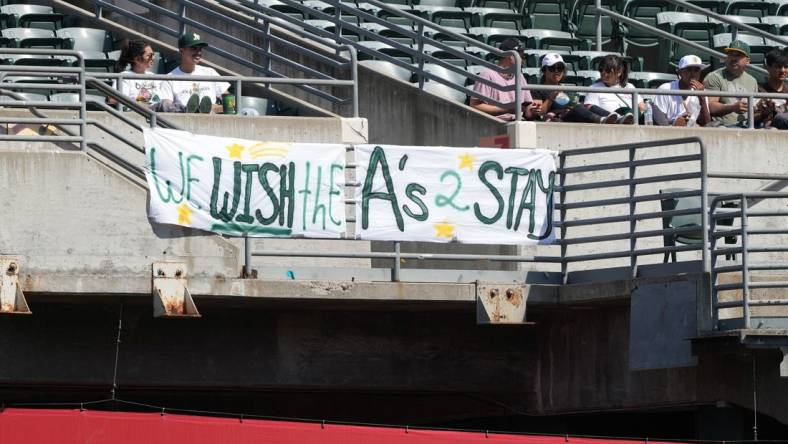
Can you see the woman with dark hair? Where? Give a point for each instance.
(136, 57)
(556, 105)
(614, 73)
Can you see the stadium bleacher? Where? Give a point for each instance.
(563, 26)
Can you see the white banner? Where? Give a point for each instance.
(245, 187)
(469, 195)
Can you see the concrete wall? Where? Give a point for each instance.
(568, 360)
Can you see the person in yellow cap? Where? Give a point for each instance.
(731, 111)
(193, 95)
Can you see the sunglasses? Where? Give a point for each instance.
(556, 68)
(609, 69)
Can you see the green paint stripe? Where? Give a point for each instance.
(233, 228)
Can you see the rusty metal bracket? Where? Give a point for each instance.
(12, 300)
(171, 297)
(500, 303)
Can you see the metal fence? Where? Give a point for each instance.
(739, 300)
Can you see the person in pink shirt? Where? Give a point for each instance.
(503, 79)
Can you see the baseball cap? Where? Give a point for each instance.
(551, 59)
(191, 39)
(511, 44)
(738, 45)
(691, 60)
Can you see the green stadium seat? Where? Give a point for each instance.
(755, 22)
(582, 23)
(532, 75)
(449, 39)
(718, 6)
(30, 16)
(782, 8)
(445, 92)
(452, 18)
(650, 79)
(384, 48)
(95, 61)
(682, 221)
(388, 69)
(751, 8)
(446, 73)
(493, 36)
(393, 17)
(553, 40)
(33, 38)
(512, 5)
(581, 77)
(545, 14)
(590, 59)
(693, 27)
(779, 24)
(31, 60)
(644, 11)
(87, 39)
(436, 3)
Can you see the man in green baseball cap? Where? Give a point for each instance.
(194, 95)
(731, 111)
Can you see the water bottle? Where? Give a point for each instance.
(648, 114)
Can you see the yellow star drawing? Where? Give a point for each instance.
(444, 229)
(184, 214)
(466, 161)
(235, 150)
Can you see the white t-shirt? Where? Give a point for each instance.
(674, 106)
(180, 91)
(609, 101)
(141, 90)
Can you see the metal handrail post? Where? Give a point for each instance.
(83, 112)
(704, 204)
(247, 256)
(354, 76)
(745, 274)
(636, 108)
(562, 217)
(420, 54)
(633, 259)
(239, 95)
(518, 87)
(181, 22)
(598, 17)
(267, 47)
(395, 270)
(715, 318)
(750, 111)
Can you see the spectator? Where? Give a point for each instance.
(683, 110)
(138, 56)
(194, 96)
(556, 105)
(731, 111)
(777, 65)
(503, 79)
(614, 73)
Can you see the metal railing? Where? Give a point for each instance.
(423, 31)
(232, 48)
(759, 231)
(632, 187)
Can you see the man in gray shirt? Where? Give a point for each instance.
(731, 111)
